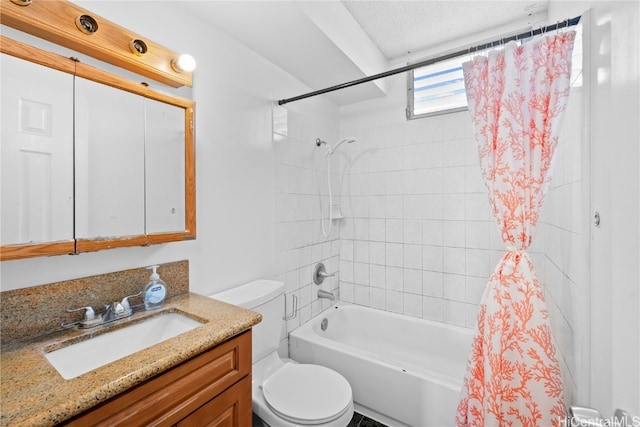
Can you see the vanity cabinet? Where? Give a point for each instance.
(211, 389)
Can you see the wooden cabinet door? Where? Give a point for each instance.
(230, 409)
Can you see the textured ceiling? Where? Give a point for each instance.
(324, 43)
(398, 27)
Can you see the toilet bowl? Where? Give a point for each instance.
(285, 393)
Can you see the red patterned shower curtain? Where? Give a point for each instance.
(517, 97)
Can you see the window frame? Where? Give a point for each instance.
(410, 110)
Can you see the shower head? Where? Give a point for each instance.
(320, 142)
(332, 149)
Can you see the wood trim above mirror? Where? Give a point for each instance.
(56, 21)
(52, 60)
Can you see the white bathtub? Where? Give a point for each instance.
(403, 371)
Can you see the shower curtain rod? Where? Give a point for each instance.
(568, 23)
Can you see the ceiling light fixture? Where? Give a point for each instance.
(184, 62)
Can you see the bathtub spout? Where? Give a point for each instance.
(326, 294)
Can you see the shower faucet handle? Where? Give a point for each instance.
(320, 273)
(323, 274)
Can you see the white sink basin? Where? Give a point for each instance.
(79, 358)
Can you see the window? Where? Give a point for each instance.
(438, 88)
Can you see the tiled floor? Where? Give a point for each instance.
(360, 420)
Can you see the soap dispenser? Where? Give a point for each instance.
(155, 291)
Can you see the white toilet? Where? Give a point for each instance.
(285, 393)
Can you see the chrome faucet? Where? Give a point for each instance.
(111, 313)
(326, 294)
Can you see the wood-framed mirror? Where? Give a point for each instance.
(130, 149)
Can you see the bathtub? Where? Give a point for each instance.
(404, 371)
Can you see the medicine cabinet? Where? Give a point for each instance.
(90, 160)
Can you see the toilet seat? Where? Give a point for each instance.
(307, 394)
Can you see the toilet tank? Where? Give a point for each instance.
(267, 298)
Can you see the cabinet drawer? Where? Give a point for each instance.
(173, 395)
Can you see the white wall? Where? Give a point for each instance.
(598, 305)
(234, 156)
(615, 194)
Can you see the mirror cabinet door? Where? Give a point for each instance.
(109, 158)
(90, 160)
(164, 167)
(37, 153)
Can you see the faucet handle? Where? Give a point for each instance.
(118, 309)
(123, 308)
(320, 273)
(89, 313)
(89, 319)
(125, 301)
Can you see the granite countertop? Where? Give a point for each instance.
(34, 394)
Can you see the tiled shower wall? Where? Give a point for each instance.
(300, 187)
(420, 238)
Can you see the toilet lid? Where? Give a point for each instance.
(307, 394)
